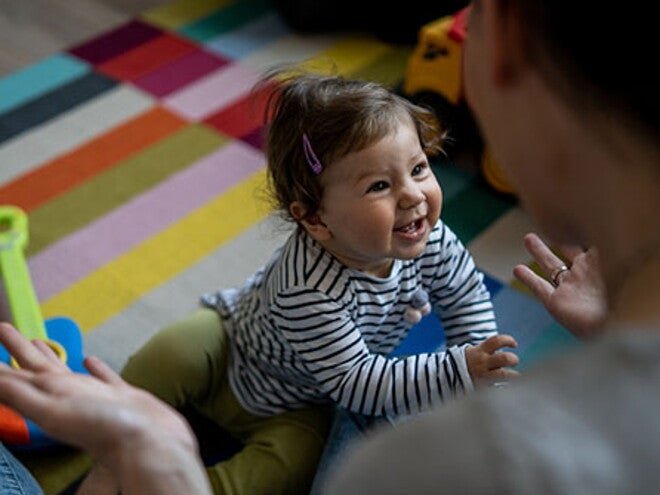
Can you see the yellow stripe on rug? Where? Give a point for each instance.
(349, 55)
(117, 285)
(181, 12)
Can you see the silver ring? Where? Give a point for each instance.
(554, 276)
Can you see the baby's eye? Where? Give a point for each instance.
(419, 168)
(378, 186)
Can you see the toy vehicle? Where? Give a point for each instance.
(434, 78)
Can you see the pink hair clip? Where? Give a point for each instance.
(313, 161)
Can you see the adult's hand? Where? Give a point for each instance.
(145, 443)
(577, 297)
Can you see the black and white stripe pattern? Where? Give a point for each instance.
(306, 329)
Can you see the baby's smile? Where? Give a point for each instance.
(413, 230)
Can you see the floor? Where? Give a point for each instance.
(33, 29)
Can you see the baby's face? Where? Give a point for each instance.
(380, 203)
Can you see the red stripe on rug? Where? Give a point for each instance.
(243, 116)
(67, 171)
(147, 57)
(179, 73)
(114, 42)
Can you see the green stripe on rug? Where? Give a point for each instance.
(553, 339)
(472, 210)
(179, 13)
(92, 199)
(226, 19)
(453, 180)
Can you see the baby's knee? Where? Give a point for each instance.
(185, 346)
(283, 463)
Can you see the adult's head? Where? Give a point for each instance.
(566, 95)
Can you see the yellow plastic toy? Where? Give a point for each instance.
(434, 75)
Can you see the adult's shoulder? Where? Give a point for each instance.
(582, 422)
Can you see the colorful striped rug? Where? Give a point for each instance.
(138, 157)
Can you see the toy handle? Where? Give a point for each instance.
(24, 306)
(26, 315)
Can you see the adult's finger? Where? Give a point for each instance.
(101, 370)
(26, 354)
(542, 254)
(539, 286)
(18, 392)
(570, 251)
(47, 351)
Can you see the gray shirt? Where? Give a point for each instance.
(587, 422)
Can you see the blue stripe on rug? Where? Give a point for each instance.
(552, 340)
(427, 335)
(517, 314)
(35, 80)
(520, 315)
(239, 43)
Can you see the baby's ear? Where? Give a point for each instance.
(312, 224)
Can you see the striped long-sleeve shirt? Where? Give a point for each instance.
(307, 329)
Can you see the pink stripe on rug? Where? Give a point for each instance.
(79, 254)
(215, 91)
(179, 73)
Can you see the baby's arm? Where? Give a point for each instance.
(336, 354)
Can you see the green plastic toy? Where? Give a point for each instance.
(60, 333)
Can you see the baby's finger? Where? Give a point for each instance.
(502, 374)
(496, 342)
(503, 360)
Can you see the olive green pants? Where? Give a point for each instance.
(185, 365)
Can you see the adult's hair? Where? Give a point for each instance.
(599, 56)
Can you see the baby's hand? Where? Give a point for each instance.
(488, 365)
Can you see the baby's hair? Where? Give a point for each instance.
(338, 116)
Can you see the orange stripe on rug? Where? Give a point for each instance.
(118, 184)
(66, 172)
